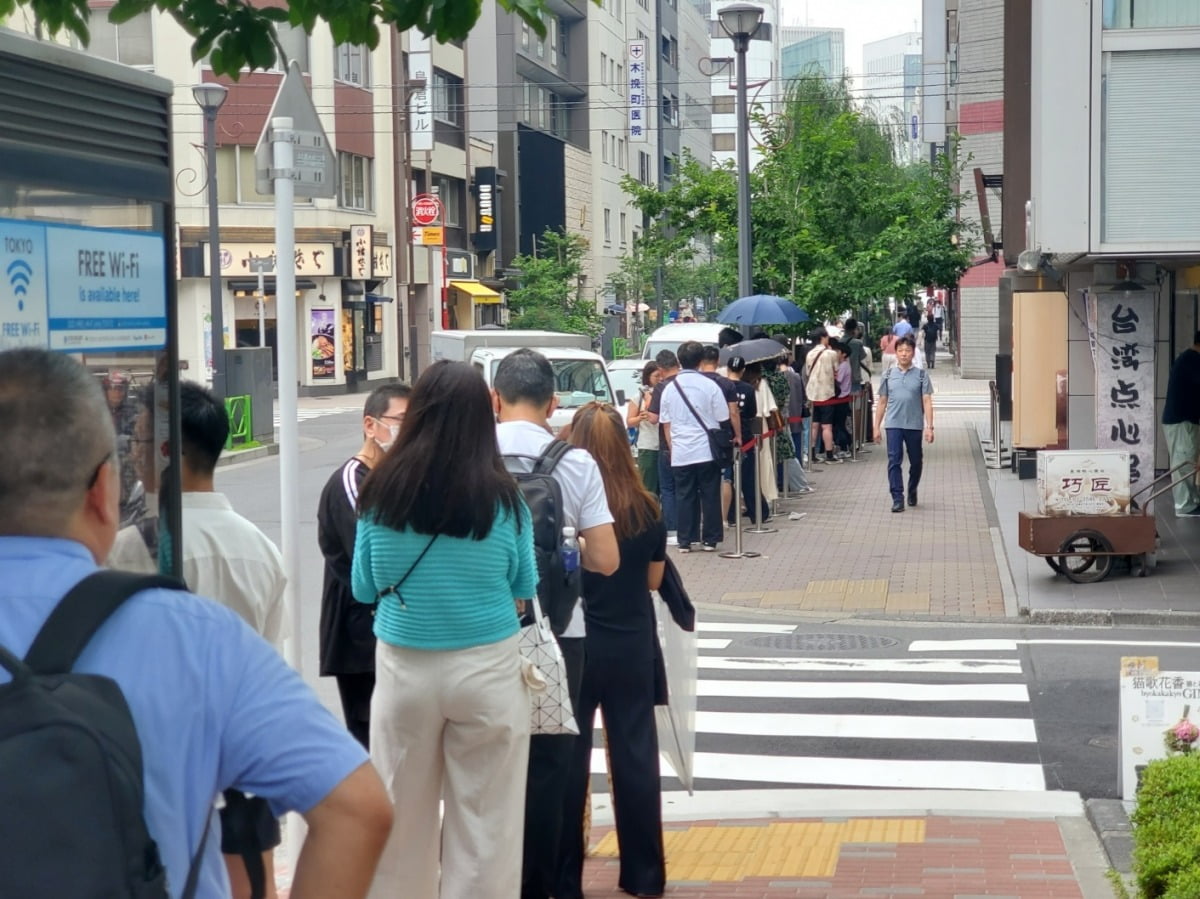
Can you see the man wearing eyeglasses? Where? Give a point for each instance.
(213, 705)
(347, 641)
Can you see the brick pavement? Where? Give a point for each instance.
(937, 857)
(850, 553)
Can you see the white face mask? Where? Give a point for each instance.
(394, 432)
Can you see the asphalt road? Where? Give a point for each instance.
(787, 702)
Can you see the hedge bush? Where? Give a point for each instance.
(1166, 829)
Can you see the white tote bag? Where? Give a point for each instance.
(545, 672)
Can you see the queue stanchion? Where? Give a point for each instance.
(855, 421)
(738, 552)
(756, 512)
(781, 468)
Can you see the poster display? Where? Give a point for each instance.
(1122, 330)
(1156, 710)
(323, 337)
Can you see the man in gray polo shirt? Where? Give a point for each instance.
(905, 405)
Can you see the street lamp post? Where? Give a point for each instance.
(209, 96)
(740, 21)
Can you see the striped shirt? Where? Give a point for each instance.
(459, 595)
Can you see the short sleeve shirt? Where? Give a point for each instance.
(821, 367)
(905, 392)
(689, 436)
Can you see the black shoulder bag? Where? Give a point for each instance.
(720, 442)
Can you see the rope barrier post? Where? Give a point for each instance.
(737, 499)
(784, 493)
(756, 513)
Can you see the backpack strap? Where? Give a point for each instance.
(80, 614)
(551, 456)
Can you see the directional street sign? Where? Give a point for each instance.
(314, 170)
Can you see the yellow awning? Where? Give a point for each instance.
(476, 291)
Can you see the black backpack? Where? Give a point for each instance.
(558, 591)
(71, 791)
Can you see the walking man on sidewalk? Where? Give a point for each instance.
(905, 401)
(1181, 425)
(690, 408)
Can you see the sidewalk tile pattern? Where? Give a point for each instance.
(934, 857)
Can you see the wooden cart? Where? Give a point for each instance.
(1082, 547)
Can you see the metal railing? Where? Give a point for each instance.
(993, 453)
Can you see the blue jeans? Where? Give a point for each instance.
(898, 441)
(666, 489)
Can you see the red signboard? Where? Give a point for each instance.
(426, 209)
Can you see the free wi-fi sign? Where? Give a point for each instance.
(19, 273)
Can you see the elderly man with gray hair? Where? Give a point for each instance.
(213, 706)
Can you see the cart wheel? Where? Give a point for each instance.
(1078, 559)
(1053, 563)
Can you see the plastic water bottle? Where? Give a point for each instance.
(570, 551)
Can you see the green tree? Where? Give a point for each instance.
(242, 34)
(548, 296)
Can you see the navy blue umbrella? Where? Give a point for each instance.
(762, 309)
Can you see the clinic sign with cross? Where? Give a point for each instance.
(635, 64)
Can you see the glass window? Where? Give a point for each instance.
(524, 35)
(450, 192)
(357, 188)
(1151, 13)
(447, 98)
(131, 43)
(604, 146)
(236, 178)
(724, 141)
(552, 39)
(604, 69)
(624, 223)
(353, 64)
(608, 226)
(620, 79)
(621, 153)
(724, 104)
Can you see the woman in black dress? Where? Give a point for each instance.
(618, 675)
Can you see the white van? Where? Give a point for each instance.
(669, 337)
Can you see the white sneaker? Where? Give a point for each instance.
(672, 538)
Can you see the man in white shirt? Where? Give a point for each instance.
(525, 399)
(690, 408)
(228, 558)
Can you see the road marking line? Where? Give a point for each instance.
(916, 727)
(712, 643)
(787, 689)
(1167, 643)
(935, 774)
(962, 646)
(930, 666)
(743, 627)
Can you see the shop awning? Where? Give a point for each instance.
(250, 285)
(476, 291)
(376, 298)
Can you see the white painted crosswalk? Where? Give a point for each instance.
(929, 714)
(307, 414)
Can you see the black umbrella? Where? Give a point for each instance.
(760, 349)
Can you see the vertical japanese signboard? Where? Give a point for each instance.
(1122, 327)
(361, 256)
(420, 110)
(638, 83)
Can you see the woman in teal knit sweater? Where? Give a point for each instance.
(445, 547)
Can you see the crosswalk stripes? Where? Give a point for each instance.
(320, 412)
(961, 402)
(935, 714)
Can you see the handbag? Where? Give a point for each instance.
(719, 441)
(545, 672)
(776, 421)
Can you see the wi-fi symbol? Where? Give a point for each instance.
(20, 273)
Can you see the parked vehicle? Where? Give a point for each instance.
(669, 337)
(580, 375)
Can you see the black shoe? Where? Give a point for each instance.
(912, 497)
(898, 506)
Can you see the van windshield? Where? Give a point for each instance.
(577, 382)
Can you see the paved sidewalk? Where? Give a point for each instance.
(851, 554)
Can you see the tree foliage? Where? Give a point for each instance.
(837, 220)
(549, 295)
(241, 34)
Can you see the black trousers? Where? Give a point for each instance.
(546, 790)
(697, 498)
(355, 691)
(930, 353)
(623, 686)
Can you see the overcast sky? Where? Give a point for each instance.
(863, 20)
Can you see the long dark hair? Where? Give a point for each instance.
(599, 429)
(444, 474)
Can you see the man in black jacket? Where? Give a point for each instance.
(347, 642)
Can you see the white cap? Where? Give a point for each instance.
(568, 532)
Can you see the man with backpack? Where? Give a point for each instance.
(525, 399)
(133, 704)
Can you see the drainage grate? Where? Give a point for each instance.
(823, 642)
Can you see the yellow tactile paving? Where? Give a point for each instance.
(728, 854)
(867, 586)
(908, 602)
(837, 586)
(783, 597)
